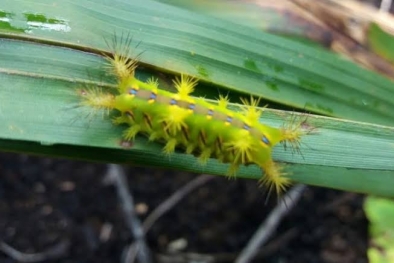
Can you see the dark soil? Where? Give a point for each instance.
(50, 204)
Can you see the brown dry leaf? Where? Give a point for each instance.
(348, 22)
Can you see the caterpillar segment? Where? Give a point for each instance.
(201, 128)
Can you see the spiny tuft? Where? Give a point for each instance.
(251, 111)
(204, 155)
(120, 63)
(292, 131)
(96, 98)
(223, 101)
(242, 147)
(170, 146)
(185, 85)
(131, 132)
(153, 82)
(122, 66)
(275, 179)
(175, 119)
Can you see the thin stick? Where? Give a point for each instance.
(175, 198)
(117, 176)
(385, 6)
(55, 252)
(163, 208)
(268, 227)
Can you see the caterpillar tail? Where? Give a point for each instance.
(96, 99)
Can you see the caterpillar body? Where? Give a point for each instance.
(204, 129)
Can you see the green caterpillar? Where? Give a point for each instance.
(204, 129)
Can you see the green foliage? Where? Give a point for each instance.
(47, 52)
(380, 213)
(381, 42)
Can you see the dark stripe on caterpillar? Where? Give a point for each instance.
(165, 128)
(202, 138)
(148, 120)
(219, 143)
(129, 114)
(185, 133)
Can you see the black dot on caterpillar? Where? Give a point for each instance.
(179, 120)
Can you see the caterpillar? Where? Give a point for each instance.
(201, 128)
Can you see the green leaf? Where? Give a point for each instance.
(380, 212)
(219, 52)
(381, 42)
(58, 52)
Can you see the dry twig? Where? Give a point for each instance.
(54, 252)
(117, 176)
(269, 226)
(164, 207)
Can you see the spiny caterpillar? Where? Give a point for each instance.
(204, 129)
